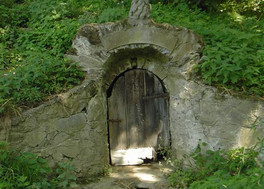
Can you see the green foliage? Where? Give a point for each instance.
(35, 35)
(65, 176)
(20, 170)
(220, 169)
(112, 14)
(41, 74)
(245, 7)
(27, 170)
(226, 64)
(233, 56)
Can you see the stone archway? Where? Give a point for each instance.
(138, 118)
(74, 125)
(104, 51)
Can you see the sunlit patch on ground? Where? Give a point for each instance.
(131, 156)
(144, 176)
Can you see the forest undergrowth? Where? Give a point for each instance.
(35, 36)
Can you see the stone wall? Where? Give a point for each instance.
(73, 126)
(70, 127)
(203, 114)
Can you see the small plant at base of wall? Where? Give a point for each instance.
(27, 170)
(220, 169)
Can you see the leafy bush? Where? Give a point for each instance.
(220, 169)
(41, 74)
(20, 171)
(247, 7)
(35, 35)
(233, 56)
(27, 170)
(65, 177)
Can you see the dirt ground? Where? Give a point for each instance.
(147, 176)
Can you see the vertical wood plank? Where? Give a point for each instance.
(134, 91)
(150, 111)
(117, 116)
(161, 105)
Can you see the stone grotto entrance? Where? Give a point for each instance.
(138, 120)
(139, 94)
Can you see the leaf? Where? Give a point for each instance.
(63, 184)
(72, 177)
(73, 185)
(234, 78)
(22, 178)
(62, 175)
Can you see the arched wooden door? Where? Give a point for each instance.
(137, 117)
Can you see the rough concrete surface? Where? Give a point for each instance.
(149, 176)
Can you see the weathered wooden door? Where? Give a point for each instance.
(137, 117)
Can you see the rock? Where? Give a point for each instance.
(71, 124)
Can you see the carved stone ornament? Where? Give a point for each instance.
(139, 12)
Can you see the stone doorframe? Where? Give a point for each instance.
(97, 47)
(104, 51)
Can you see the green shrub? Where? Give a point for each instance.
(65, 176)
(233, 56)
(35, 35)
(39, 74)
(27, 170)
(31, 58)
(246, 7)
(236, 169)
(20, 170)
